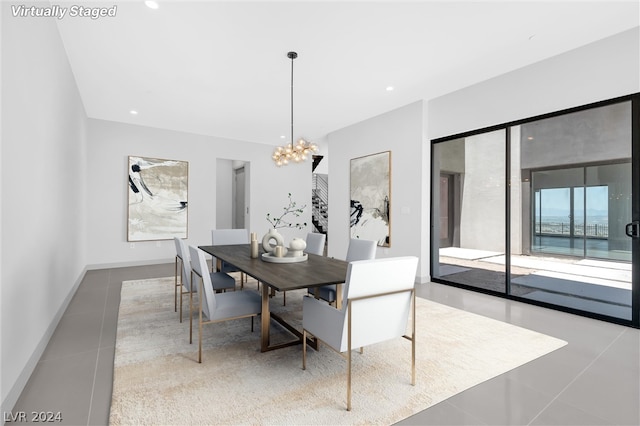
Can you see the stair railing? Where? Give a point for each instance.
(320, 202)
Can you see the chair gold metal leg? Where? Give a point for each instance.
(304, 349)
(177, 282)
(266, 318)
(181, 305)
(191, 311)
(200, 298)
(175, 289)
(413, 339)
(349, 358)
(349, 382)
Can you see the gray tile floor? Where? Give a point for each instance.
(594, 380)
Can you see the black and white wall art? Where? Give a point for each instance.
(157, 199)
(370, 190)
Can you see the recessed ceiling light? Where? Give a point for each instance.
(133, 112)
(390, 88)
(282, 136)
(152, 4)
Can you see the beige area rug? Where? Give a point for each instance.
(157, 379)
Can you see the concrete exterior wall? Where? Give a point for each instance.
(482, 215)
(599, 134)
(518, 192)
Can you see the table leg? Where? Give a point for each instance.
(265, 320)
(218, 267)
(339, 296)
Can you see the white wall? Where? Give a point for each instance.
(399, 131)
(3, 393)
(110, 144)
(602, 70)
(43, 193)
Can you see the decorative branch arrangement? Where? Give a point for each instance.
(280, 222)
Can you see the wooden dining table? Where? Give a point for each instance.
(315, 271)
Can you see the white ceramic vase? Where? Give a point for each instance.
(297, 246)
(273, 234)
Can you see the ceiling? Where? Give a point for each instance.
(221, 68)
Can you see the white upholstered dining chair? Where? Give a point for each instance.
(379, 296)
(183, 260)
(179, 276)
(222, 282)
(182, 273)
(315, 243)
(218, 307)
(223, 237)
(358, 250)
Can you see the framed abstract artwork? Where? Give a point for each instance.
(370, 191)
(157, 199)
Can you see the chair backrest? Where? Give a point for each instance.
(181, 249)
(199, 265)
(384, 316)
(315, 243)
(361, 250)
(223, 237)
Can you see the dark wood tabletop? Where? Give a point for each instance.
(313, 272)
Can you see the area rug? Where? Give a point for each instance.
(157, 379)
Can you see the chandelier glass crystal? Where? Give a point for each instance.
(293, 152)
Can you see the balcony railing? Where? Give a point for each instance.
(591, 230)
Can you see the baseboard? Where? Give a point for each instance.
(129, 264)
(423, 280)
(16, 390)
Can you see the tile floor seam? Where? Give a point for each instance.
(61, 357)
(594, 416)
(550, 395)
(577, 376)
(95, 370)
(478, 419)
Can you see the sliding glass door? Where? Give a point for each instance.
(543, 210)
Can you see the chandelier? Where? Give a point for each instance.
(293, 152)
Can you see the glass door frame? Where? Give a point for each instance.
(635, 208)
(634, 100)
